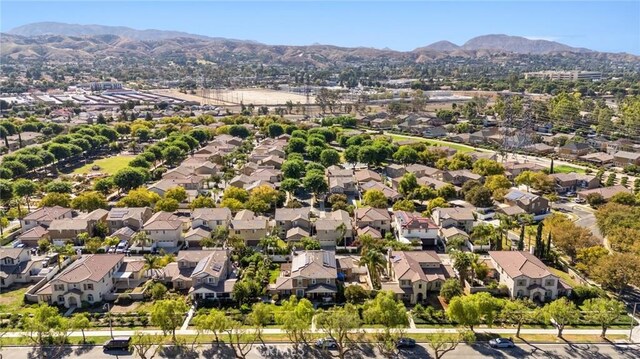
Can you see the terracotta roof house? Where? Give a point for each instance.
(377, 218)
(31, 236)
(43, 217)
(624, 158)
(16, 266)
(414, 275)
(574, 150)
(413, 226)
(390, 193)
(526, 276)
(366, 175)
(87, 280)
(513, 169)
(459, 177)
(310, 274)
(395, 170)
(368, 231)
(598, 158)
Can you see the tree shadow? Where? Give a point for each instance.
(179, 351)
(417, 352)
(287, 352)
(52, 352)
(537, 351)
(83, 349)
(219, 351)
(587, 351)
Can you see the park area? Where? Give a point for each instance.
(255, 96)
(460, 148)
(109, 165)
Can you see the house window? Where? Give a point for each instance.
(90, 298)
(550, 283)
(88, 286)
(313, 281)
(60, 299)
(209, 280)
(299, 282)
(419, 286)
(328, 281)
(58, 287)
(522, 282)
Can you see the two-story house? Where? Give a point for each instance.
(336, 228)
(249, 227)
(572, 182)
(87, 280)
(289, 218)
(340, 180)
(205, 274)
(61, 231)
(310, 274)
(624, 158)
(16, 266)
(574, 150)
(376, 218)
(458, 217)
(132, 217)
(459, 177)
(414, 275)
(164, 229)
(43, 217)
(414, 227)
(211, 218)
(526, 276)
(529, 202)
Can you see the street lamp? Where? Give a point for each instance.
(109, 314)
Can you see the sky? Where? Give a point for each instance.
(609, 26)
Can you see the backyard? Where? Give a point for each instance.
(109, 165)
(456, 146)
(567, 169)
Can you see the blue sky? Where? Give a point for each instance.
(604, 25)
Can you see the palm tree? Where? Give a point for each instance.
(142, 238)
(507, 223)
(376, 263)
(151, 263)
(342, 229)
(482, 232)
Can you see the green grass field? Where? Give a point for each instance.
(567, 169)
(457, 146)
(564, 276)
(109, 165)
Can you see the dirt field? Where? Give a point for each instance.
(258, 97)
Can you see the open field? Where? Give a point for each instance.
(457, 146)
(255, 96)
(108, 165)
(567, 169)
(11, 300)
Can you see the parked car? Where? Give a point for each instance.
(501, 343)
(405, 343)
(122, 246)
(580, 200)
(118, 343)
(326, 343)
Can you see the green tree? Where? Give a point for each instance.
(375, 198)
(147, 346)
(329, 157)
(292, 168)
(45, 325)
(295, 319)
(473, 309)
(375, 262)
(450, 288)
(561, 312)
(518, 312)
(408, 184)
(25, 188)
(442, 342)
(355, 294)
(56, 199)
(81, 322)
(177, 193)
(215, 322)
(232, 192)
(168, 314)
(202, 202)
(603, 311)
(167, 205)
(487, 167)
(479, 196)
(59, 187)
(129, 178)
(384, 309)
(158, 291)
(341, 325)
(438, 202)
(104, 185)
(139, 197)
(406, 155)
(404, 205)
(89, 201)
(314, 181)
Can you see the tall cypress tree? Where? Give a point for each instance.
(548, 251)
(521, 240)
(538, 251)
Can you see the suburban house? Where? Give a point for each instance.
(206, 274)
(16, 266)
(210, 217)
(289, 218)
(191, 184)
(605, 192)
(390, 193)
(461, 218)
(310, 274)
(459, 177)
(395, 170)
(414, 275)
(526, 276)
(598, 158)
(87, 280)
(574, 150)
(43, 217)
(512, 169)
(413, 226)
(529, 202)
(333, 227)
(624, 158)
(366, 175)
(376, 218)
(572, 182)
(31, 236)
(249, 227)
(132, 217)
(340, 180)
(61, 231)
(164, 229)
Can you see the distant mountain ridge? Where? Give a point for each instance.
(68, 42)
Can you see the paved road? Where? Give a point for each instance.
(585, 216)
(284, 351)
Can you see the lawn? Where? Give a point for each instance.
(273, 275)
(457, 146)
(567, 169)
(12, 301)
(108, 165)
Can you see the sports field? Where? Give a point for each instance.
(108, 165)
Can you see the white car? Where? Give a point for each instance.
(501, 343)
(326, 343)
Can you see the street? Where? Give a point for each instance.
(585, 216)
(283, 351)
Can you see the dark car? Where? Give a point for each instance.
(118, 343)
(501, 343)
(405, 343)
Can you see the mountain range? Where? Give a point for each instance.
(61, 42)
